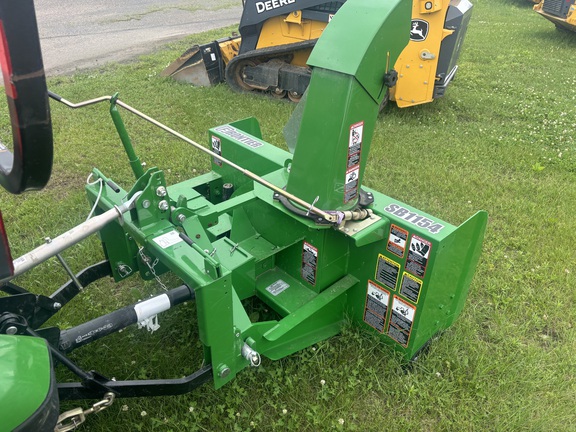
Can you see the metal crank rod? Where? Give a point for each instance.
(327, 216)
(69, 238)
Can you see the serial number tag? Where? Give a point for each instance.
(414, 218)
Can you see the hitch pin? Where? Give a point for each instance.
(312, 205)
(48, 240)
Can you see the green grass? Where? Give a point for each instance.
(502, 140)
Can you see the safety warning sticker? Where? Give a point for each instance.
(376, 306)
(397, 240)
(351, 184)
(418, 255)
(355, 145)
(387, 272)
(217, 148)
(353, 160)
(309, 263)
(410, 287)
(401, 320)
(355, 141)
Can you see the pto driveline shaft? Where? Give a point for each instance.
(111, 323)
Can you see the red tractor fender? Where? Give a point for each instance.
(29, 165)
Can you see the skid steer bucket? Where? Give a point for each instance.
(204, 65)
(192, 68)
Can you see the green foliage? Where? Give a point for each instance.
(502, 139)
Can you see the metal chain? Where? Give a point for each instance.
(146, 259)
(73, 418)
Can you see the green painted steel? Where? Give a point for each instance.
(134, 160)
(350, 62)
(25, 374)
(400, 273)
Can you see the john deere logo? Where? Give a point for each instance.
(419, 31)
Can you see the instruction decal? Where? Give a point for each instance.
(387, 272)
(217, 148)
(401, 321)
(410, 287)
(169, 239)
(277, 287)
(376, 306)
(414, 218)
(418, 255)
(309, 263)
(397, 240)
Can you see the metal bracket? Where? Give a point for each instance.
(353, 227)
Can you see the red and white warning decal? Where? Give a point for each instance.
(418, 255)
(376, 306)
(351, 184)
(397, 240)
(401, 321)
(355, 138)
(355, 145)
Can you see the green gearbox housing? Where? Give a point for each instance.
(396, 271)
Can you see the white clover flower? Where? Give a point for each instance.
(284, 411)
(341, 421)
(322, 382)
(191, 409)
(143, 413)
(124, 407)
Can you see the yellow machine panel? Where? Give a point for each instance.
(418, 62)
(283, 30)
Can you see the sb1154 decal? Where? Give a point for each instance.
(414, 218)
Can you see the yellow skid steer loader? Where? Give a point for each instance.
(561, 12)
(277, 36)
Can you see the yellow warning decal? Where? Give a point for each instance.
(410, 287)
(387, 272)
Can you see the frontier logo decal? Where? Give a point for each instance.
(263, 6)
(419, 30)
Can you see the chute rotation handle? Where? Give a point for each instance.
(29, 165)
